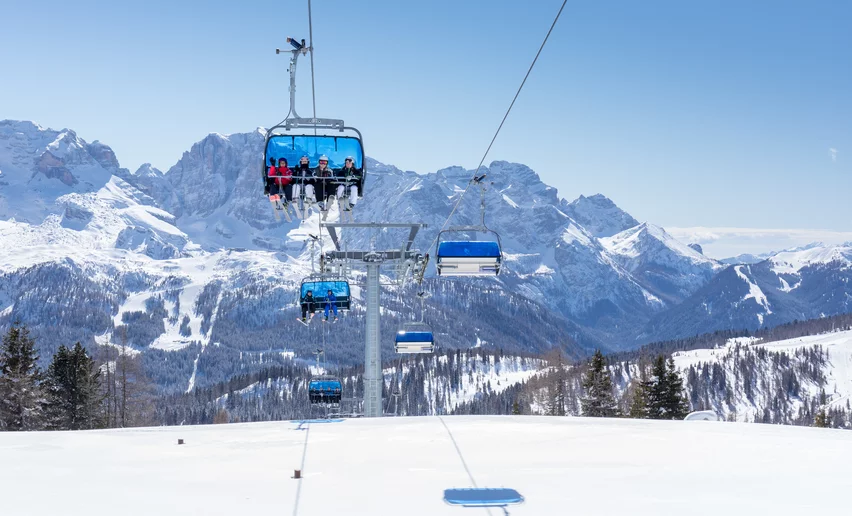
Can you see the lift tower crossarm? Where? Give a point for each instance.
(413, 227)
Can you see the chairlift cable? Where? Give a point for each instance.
(484, 156)
(311, 45)
(314, 105)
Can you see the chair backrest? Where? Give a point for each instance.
(293, 147)
(320, 288)
(415, 336)
(325, 385)
(469, 249)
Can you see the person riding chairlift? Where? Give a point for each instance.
(324, 176)
(279, 180)
(308, 305)
(270, 171)
(304, 179)
(330, 303)
(350, 176)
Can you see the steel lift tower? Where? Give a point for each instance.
(406, 262)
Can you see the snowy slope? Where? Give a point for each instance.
(837, 371)
(403, 465)
(791, 262)
(429, 385)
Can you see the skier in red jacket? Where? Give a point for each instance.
(279, 180)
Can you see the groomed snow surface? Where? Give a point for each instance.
(562, 466)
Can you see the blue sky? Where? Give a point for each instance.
(684, 113)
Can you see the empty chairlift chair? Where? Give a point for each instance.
(465, 256)
(468, 257)
(415, 337)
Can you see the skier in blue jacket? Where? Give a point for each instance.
(331, 304)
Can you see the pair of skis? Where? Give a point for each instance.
(280, 204)
(343, 206)
(346, 208)
(308, 322)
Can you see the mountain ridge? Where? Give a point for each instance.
(204, 229)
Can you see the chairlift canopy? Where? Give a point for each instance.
(293, 146)
(319, 288)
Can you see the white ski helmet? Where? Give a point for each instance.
(323, 158)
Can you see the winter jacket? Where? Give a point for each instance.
(303, 174)
(350, 174)
(280, 175)
(331, 300)
(328, 172)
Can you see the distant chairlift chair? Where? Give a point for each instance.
(325, 389)
(415, 337)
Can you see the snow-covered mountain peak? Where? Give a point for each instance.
(148, 170)
(454, 171)
(642, 238)
(666, 267)
(792, 261)
(40, 165)
(600, 215)
(21, 126)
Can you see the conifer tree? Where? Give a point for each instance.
(639, 401)
(598, 400)
(676, 406)
(655, 390)
(664, 391)
(820, 420)
(21, 393)
(74, 390)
